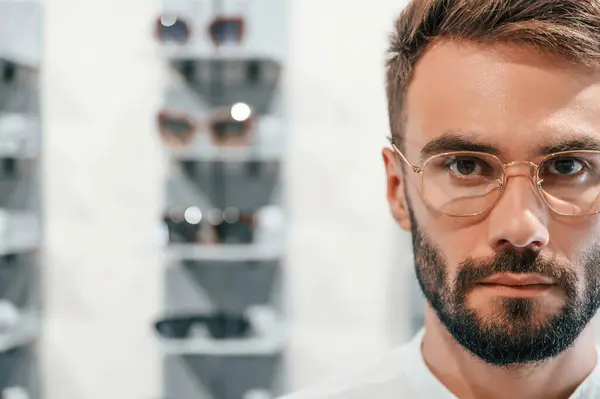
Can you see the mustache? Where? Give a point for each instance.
(509, 260)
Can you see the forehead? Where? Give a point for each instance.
(507, 96)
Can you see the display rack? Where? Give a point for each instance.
(20, 189)
(222, 329)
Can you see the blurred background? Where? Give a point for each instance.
(192, 198)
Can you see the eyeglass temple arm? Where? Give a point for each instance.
(415, 168)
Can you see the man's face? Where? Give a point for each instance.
(515, 101)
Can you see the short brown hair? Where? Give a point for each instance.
(567, 28)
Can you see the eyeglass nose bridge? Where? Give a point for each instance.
(532, 173)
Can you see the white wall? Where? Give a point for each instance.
(103, 171)
(347, 260)
(103, 167)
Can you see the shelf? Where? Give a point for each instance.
(23, 333)
(19, 231)
(212, 153)
(225, 252)
(19, 136)
(202, 51)
(272, 344)
(247, 347)
(18, 57)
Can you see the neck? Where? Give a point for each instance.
(466, 376)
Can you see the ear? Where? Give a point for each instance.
(395, 189)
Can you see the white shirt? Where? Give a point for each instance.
(403, 374)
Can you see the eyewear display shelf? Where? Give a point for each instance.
(20, 211)
(222, 330)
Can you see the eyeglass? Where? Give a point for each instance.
(219, 325)
(221, 30)
(229, 226)
(466, 183)
(226, 127)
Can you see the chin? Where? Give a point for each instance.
(517, 314)
(518, 306)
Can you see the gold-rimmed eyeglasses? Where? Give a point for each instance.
(468, 183)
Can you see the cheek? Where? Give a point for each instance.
(573, 238)
(455, 238)
(579, 243)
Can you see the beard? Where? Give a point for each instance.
(514, 334)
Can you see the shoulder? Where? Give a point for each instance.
(379, 380)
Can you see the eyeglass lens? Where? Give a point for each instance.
(238, 232)
(570, 182)
(178, 32)
(180, 231)
(224, 130)
(225, 32)
(178, 128)
(461, 184)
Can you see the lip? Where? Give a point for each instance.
(517, 285)
(516, 291)
(517, 280)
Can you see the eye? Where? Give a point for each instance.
(465, 167)
(565, 166)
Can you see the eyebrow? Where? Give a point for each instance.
(457, 142)
(571, 142)
(466, 141)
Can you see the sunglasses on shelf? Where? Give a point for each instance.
(219, 325)
(227, 127)
(229, 226)
(223, 31)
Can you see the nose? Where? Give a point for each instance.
(519, 219)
